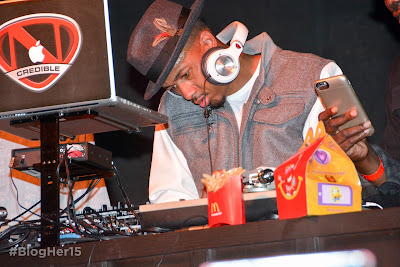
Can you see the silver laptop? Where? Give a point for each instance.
(56, 58)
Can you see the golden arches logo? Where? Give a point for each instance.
(296, 191)
(215, 207)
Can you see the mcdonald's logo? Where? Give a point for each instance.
(290, 191)
(215, 208)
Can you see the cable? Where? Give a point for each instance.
(91, 186)
(23, 229)
(58, 169)
(16, 217)
(70, 200)
(372, 205)
(71, 211)
(179, 235)
(24, 236)
(19, 204)
(91, 253)
(206, 115)
(119, 183)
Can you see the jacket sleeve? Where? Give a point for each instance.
(168, 163)
(387, 194)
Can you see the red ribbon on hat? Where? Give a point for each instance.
(167, 30)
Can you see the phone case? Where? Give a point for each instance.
(338, 91)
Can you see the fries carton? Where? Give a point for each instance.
(319, 179)
(225, 203)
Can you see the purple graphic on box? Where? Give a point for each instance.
(322, 156)
(336, 195)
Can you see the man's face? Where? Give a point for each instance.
(187, 79)
(394, 7)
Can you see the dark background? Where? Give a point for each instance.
(360, 35)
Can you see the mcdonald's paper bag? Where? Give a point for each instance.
(226, 205)
(319, 179)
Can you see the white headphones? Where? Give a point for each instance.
(221, 65)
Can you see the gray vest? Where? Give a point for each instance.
(272, 122)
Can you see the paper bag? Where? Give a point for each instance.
(319, 179)
(226, 205)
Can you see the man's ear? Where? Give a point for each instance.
(207, 40)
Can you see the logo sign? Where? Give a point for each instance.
(289, 184)
(215, 211)
(27, 60)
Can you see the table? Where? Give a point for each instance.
(376, 230)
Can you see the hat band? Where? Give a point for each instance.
(165, 54)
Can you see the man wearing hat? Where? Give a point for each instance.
(258, 118)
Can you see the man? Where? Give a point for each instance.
(391, 138)
(388, 194)
(391, 141)
(258, 119)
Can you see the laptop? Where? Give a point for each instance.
(56, 59)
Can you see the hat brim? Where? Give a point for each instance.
(195, 11)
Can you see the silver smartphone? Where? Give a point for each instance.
(338, 91)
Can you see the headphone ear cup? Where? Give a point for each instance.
(222, 65)
(207, 65)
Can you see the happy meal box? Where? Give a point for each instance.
(319, 179)
(225, 197)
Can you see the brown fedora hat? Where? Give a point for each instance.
(159, 38)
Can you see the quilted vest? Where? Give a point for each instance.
(272, 122)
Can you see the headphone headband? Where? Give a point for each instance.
(235, 31)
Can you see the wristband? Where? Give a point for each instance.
(377, 174)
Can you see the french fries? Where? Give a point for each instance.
(217, 179)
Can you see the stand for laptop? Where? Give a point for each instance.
(49, 182)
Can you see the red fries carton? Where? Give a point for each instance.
(225, 204)
(319, 179)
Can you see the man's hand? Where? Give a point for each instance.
(351, 140)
